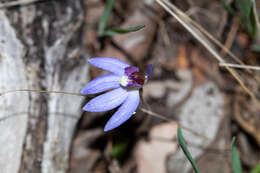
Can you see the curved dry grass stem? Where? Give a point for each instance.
(212, 38)
(175, 122)
(204, 31)
(240, 66)
(40, 91)
(78, 94)
(197, 31)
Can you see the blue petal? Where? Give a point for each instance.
(109, 64)
(106, 101)
(102, 83)
(127, 109)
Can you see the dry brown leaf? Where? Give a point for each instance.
(151, 156)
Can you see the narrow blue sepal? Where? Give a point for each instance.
(149, 71)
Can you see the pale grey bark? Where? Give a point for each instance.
(41, 47)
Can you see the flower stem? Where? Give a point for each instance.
(40, 91)
(170, 120)
(78, 94)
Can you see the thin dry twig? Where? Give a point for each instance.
(200, 28)
(240, 66)
(175, 122)
(40, 91)
(78, 94)
(218, 43)
(223, 150)
(231, 36)
(197, 31)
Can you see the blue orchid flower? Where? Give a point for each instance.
(125, 80)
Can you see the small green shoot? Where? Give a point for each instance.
(114, 31)
(236, 163)
(228, 7)
(256, 169)
(102, 26)
(248, 17)
(104, 19)
(119, 149)
(186, 151)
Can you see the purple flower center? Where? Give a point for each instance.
(134, 77)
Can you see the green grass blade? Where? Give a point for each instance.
(236, 163)
(186, 151)
(248, 17)
(114, 31)
(256, 169)
(228, 7)
(103, 21)
(252, 25)
(244, 6)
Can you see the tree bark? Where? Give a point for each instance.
(41, 47)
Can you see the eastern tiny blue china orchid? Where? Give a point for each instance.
(125, 80)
